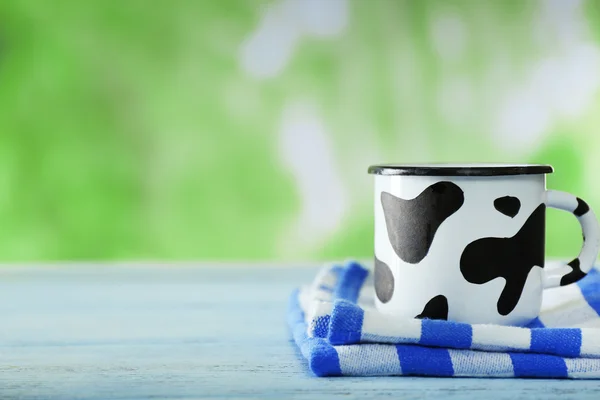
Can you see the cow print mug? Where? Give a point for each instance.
(466, 242)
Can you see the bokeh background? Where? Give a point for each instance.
(242, 129)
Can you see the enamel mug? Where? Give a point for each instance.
(466, 242)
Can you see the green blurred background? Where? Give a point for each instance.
(242, 130)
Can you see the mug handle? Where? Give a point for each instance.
(566, 274)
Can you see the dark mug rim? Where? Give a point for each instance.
(467, 169)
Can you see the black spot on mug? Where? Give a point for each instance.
(442, 232)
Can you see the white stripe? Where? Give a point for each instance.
(369, 359)
(590, 342)
(317, 309)
(591, 324)
(481, 363)
(307, 298)
(565, 307)
(325, 276)
(373, 338)
(366, 296)
(583, 367)
(304, 297)
(377, 324)
(560, 297)
(323, 295)
(494, 337)
(321, 308)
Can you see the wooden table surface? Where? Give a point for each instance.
(187, 332)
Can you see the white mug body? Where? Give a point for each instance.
(462, 248)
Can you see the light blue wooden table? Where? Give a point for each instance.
(184, 332)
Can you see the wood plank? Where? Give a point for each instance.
(133, 332)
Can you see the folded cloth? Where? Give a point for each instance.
(339, 331)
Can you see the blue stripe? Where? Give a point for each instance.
(323, 360)
(446, 334)
(590, 288)
(350, 282)
(428, 361)
(321, 326)
(346, 323)
(564, 342)
(538, 366)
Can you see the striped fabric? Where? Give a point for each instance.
(339, 332)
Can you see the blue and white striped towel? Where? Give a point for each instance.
(339, 332)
